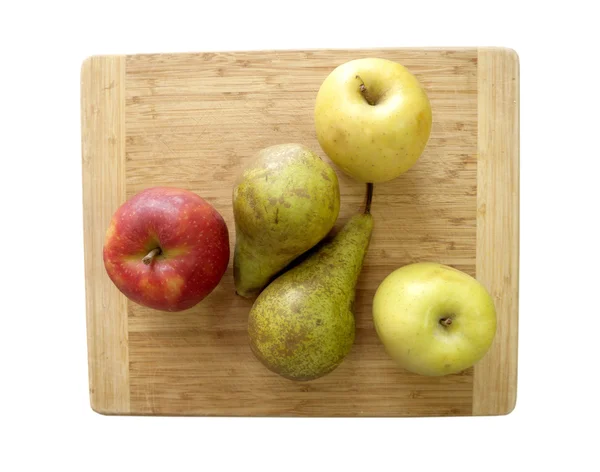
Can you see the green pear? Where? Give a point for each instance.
(284, 203)
(302, 325)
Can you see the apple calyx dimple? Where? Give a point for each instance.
(148, 258)
(447, 321)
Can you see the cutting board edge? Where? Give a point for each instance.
(103, 180)
(495, 376)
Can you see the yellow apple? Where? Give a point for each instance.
(373, 119)
(433, 319)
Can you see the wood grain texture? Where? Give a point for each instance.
(193, 121)
(495, 384)
(103, 175)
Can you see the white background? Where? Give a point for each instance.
(46, 420)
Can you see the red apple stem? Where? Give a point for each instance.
(369, 198)
(148, 258)
(365, 92)
(446, 321)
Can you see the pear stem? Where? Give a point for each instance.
(369, 198)
(148, 258)
(446, 321)
(365, 92)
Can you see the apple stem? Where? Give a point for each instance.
(369, 198)
(148, 258)
(446, 321)
(365, 92)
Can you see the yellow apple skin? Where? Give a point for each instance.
(372, 143)
(408, 307)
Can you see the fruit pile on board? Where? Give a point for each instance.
(167, 248)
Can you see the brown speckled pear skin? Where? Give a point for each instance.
(284, 203)
(302, 325)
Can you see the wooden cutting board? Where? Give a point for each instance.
(193, 121)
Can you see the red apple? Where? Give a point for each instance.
(166, 248)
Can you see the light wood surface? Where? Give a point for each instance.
(495, 380)
(103, 166)
(192, 121)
